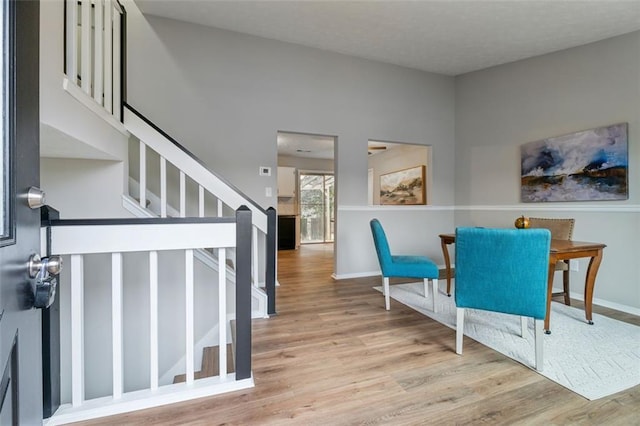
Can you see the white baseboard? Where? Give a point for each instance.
(143, 399)
(605, 303)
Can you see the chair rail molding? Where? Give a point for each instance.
(547, 207)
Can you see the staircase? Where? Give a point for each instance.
(209, 366)
(213, 236)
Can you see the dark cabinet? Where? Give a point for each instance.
(286, 232)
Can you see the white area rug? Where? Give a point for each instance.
(591, 360)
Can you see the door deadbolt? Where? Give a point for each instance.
(36, 197)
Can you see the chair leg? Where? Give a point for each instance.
(385, 288)
(426, 287)
(434, 284)
(523, 326)
(459, 329)
(539, 333)
(565, 284)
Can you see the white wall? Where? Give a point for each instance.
(501, 108)
(83, 188)
(226, 95)
(68, 128)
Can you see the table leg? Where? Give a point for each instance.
(447, 264)
(551, 273)
(589, 284)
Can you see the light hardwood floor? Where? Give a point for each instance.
(334, 356)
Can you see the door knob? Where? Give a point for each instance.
(34, 265)
(51, 264)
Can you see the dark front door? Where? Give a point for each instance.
(20, 323)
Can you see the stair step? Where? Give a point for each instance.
(209, 366)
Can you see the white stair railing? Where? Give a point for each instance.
(118, 237)
(94, 50)
(95, 45)
(258, 295)
(209, 186)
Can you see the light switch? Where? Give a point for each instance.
(267, 191)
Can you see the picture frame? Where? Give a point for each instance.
(404, 187)
(589, 165)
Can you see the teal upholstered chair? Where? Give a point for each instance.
(402, 266)
(503, 270)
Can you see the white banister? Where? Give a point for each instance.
(93, 62)
(98, 39)
(128, 238)
(72, 40)
(117, 74)
(85, 46)
(117, 238)
(108, 58)
(220, 207)
(163, 187)
(222, 315)
(77, 330)
(116, 323)
(200, 201)
(192, 168)
(183, 194)
(143, 175)
(189, 316)
(153, 320)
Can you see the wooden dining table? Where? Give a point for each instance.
(560, 250)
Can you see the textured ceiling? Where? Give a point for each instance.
(305, 146)
(448, 37)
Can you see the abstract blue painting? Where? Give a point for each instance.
(583, 166)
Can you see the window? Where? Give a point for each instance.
(316, 208)
(5, 147)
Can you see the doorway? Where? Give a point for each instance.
(307, 187)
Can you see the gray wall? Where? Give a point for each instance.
(501, 108)
(226, 95)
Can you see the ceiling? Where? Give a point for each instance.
(447, 37)
(305, 146)
(318, 146)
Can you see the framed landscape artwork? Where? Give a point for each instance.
(404, 187)
(584, 166)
